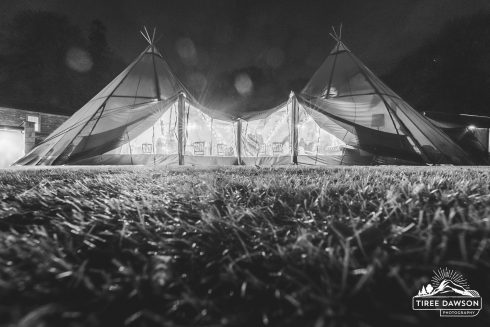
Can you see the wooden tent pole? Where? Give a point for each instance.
(180, 127)
(294, 130)
(239, 141)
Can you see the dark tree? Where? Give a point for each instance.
(98, 45)
(34, 65)
(105, 63)
(48, 64)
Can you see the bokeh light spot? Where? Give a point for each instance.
(79, 60)
(187, 51)
(243, 84)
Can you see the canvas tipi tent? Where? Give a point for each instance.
(144, 116)
(348, 100)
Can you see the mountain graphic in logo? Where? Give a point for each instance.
(450, 293)
(446, 287)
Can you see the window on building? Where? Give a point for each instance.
(35, 120)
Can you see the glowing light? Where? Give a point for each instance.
(79, 60)
(243, 84)
(331, 94)
(187, 51)
(472, 127)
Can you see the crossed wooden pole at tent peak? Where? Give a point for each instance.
(146, 35)
(337, 36)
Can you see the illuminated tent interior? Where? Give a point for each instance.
(289, 133)
(265, 137)
(344, 115)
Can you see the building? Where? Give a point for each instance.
(21, 130)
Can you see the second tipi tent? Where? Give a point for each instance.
(349, 101)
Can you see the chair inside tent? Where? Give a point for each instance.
(266, 137)
(209, 138)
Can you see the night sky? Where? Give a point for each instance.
(281, 42)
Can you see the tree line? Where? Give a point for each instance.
(49, 64)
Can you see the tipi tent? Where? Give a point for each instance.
(144, 116)
(346, 99)
(344, 115)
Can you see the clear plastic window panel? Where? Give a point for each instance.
(268, 137)
(161, 138)
(206, 136)
(313, 140)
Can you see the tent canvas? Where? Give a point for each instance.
(344, 115)
(363, 112)
(471, 132)
(118, 113)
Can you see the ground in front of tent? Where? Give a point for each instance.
(145, 246)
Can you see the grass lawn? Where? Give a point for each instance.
(235, 246)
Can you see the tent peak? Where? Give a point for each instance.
(149, 38)
(337, 36)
